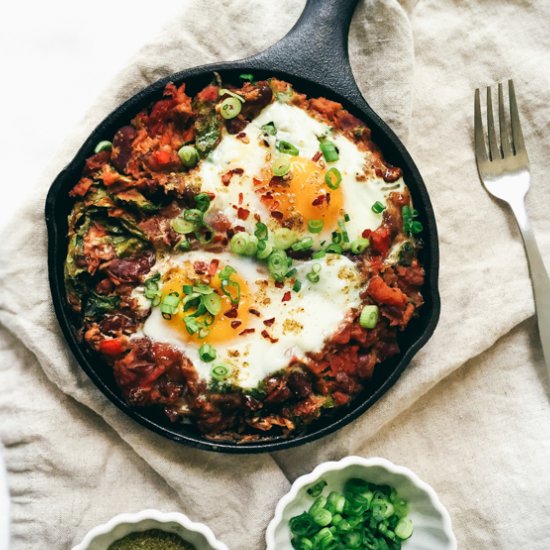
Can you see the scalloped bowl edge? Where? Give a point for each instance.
(332, 466)
(161, 518)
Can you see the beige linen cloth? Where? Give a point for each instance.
(470, 414)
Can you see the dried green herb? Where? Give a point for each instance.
(152, 539)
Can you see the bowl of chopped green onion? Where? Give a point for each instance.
(360, 503)
(151, 530)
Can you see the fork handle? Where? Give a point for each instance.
(539, 278)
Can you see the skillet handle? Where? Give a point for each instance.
(316, 48)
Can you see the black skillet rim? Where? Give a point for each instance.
(57, 245)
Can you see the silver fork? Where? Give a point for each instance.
(504, 171)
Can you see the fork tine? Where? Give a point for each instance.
(493, 146)
(517, 134)
(481, 151)
(504, 134)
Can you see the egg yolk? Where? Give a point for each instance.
(305, 194)
(227, 324)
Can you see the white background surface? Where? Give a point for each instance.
(57, 57)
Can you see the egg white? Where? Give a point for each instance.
(255, 150)
(301, 324)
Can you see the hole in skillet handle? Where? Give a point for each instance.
(314, 58)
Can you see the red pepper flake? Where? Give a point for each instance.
(279, 284)
(247, 331)
(236, 324)
(317, 201)
(201, 268)
(316, 156)
(269, 322)
(277, 215)
(286, 297)
(226, 178)
(240, 135)
(213, 267)
(231, 313)
(328, 198)
(268, 195)
(366, 233)
(254, 311)
(211, 195)
(257, 217)
(238, 229)
(267, 336)
(243, 213)
(241, 197)
(256, 181)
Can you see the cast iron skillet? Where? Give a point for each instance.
(314, 57)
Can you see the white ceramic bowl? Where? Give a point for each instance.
(100, 537)
(431, 521)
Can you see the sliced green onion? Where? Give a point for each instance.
(334, 248)
(226, 272)
(378, 207)
(345, 235)
(188, 155)
(187, 289)
(287, 148)
(203, 200)
(264, 249)
(303, 244)
(316, 489)
(337, 237)
(152, 290)
(359, 245)
(335, 502)
(269, 129)
(219, 372)
(183, 227)
(329, 150)
(169, 305)
(281, 166)
(277, 264)
(333, 178)
(193, 215)
(192, 325)
(207, 353)
(249, 77)
(212, 303)
(232, 290)
(318, 254)
(404, 528)
(346, 217)
(297, 286)
(243, 244)
(261, 231)
(369, 316)
(315, 226)
(302, 525)
(225, 91)
(284, 238)
(104, 145)
(321, 517)
(230, 108)
(314, 274)
(203, 289)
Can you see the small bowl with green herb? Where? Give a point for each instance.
(151, 530)
(360, 503)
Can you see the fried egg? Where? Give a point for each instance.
(239, 172)
(270, 326)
